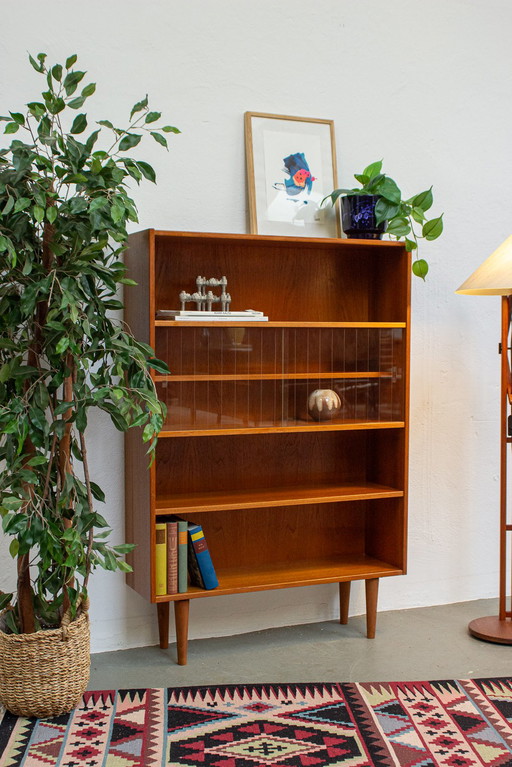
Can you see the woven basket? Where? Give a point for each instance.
(45, 673)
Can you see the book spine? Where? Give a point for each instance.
(201, 564)
(172, 557)
(161, 559)
(182, 556)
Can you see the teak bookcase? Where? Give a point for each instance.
(283, 500)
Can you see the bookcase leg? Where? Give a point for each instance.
(344, 601)
(372, 590)
(181, 611)
(162, 610)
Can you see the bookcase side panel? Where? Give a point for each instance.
(139, 480)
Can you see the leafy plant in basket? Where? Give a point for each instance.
(377, 207)
(64, 208)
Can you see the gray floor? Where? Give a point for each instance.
(420, 644)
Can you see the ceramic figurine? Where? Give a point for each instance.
(324, 404)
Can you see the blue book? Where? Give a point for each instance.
(200, 565)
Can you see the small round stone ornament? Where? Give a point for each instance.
(324, 404)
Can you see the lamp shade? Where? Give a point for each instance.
(494, 276)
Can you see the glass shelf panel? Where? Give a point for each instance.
(279, 351)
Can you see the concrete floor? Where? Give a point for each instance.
(421, 644)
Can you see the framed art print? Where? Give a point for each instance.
(291, 167)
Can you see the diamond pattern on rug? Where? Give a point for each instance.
(447, 723)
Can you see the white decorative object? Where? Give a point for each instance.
(324, 404)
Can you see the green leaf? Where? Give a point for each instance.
(14, 548)
(62, 345)
(18, 118)
(418, 215)
(38, 213)
(158, 365)
(12, 503)
(160, 139)
(420, 268)
(373, 170)
(433, 228)
(147, 171)
(22, 203)
(424, 200)
(71, 81)
(77, 103)
(11, 128)
(398, 227)
(57, 72)
(37, 66)
(117, 212)
(385, 210)
(129, 141)
(98, 493)
(88, 90)
(71, 60)
(410, 245)
(9, 205)
(389, 190)
(139, 106)
(170, 129)
(5, 599)
(51, 214)
(152, 117)
(37, 109)
(106, 123)
(79, 124)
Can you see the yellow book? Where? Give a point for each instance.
(161, 559)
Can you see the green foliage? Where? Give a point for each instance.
(64, 209)
(401, 215)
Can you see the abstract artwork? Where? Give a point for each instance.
(291, 167)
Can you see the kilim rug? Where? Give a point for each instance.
(391, 724)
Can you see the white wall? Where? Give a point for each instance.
(427, 87)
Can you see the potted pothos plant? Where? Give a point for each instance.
(64, 209)
(376, 206)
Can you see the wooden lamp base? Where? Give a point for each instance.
(492, 629)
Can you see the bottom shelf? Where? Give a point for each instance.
(283, 575)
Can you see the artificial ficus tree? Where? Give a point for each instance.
(64, 209)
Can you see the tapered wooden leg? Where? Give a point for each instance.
(181, 610)
(162, 610)
(372, 590)
(344, 601)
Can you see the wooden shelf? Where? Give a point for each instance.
(272, 324)
(283, 575)
(273, 496)
(311, 376)
(307, 426)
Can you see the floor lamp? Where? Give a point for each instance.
(494, 278)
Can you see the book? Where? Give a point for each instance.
(200, 565)
(176, 555)
(247, 315)
(182, 555)
(172, 557)
(161, 559)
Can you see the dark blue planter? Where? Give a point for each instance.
(358, 217)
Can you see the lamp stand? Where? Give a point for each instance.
(498, 628)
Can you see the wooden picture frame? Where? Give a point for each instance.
(291, 167)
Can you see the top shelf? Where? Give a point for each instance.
(313, 282)
(271, 324)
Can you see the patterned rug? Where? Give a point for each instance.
(392, 724)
